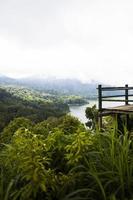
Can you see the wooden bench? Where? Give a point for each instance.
(124, 95)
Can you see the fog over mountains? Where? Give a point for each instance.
(63, 86)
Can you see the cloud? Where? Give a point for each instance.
(74, 38)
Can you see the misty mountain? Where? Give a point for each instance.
(62, 86)
(6, 80)
(54, 85)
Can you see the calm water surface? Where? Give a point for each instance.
(79, 111)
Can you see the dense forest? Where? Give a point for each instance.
(23, 102)
(46, 154)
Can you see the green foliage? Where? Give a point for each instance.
(70, 124)
(113, 170)
(74, 100)
(58, 159)
(13, 126)
(77, 150)
(42, 128)
(27, 160)
(92, 116)
(22, 102)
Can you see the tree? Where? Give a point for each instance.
(13, 126)
(92, 116)
(70, 124)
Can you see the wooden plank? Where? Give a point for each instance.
(116, 100)
(106, 113)
(116, 88)
(113, 96)
(125, 108)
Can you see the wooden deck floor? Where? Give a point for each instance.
(125, 109)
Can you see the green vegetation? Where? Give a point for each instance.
(22, 102)
(74, 100)
(92, 116)
(59, 159)
(46, 154)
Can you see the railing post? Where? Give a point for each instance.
(126, 103)
(100, 105)
(126, 94)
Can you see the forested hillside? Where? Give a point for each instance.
(19, 101)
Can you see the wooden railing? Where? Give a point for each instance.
(114, 98)
(102, 97)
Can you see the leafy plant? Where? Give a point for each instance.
(58, 159)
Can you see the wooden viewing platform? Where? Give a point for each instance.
(125, 109)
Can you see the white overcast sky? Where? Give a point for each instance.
(84, 39)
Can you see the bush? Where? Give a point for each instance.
(59, 159)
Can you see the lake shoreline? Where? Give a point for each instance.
(79, 110)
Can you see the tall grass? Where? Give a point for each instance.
(110, 166)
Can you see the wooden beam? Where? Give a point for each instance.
(126, 103)
(100, 106)
(115, 88)
(125, 109)
(116, 100)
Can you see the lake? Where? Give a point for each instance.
(79, 111)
